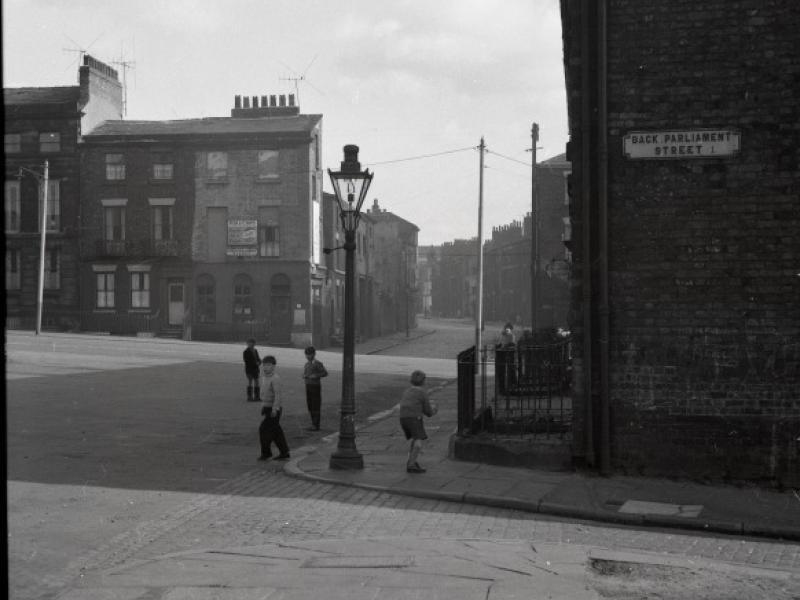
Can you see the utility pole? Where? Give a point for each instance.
(479, 299)
(42, 252)
(534, 232)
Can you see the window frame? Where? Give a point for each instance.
(217, 173)
(48, 146)
(52, 276)
(13, 261)
(140, 289)
(243, 300)
(53, 206)
(12, 205)
(269, 248)
(268, 169)
(158, 212)
(206, 300)
(12, 147)
(105, 292)
(115, 168)
(107, 210)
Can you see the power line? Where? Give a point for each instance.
(421, 156)
(509, 158)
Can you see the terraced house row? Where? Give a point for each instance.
(210, 228)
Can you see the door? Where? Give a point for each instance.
(280, 304)
(176, 306)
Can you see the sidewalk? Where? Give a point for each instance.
(623, 500)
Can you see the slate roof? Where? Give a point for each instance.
(40, 95)
(207, 126)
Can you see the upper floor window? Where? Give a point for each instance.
(269, 240)
(162, 222)
(268, 164)
(217, 165)
(12, 206)
(13, 278)
(115, 167)
(50, 141)
(114, 223)
(53, 205)
(12, 143)
(163, 167)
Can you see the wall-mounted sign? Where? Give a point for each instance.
(242, 232)
(692, 143)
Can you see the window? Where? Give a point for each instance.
(105, 290)
(12, 143)
(217, 165)
(269, 242)
(242, 297)
(52, 269)
(13, 275)
(206, 303)
(140, 290)
(162, 222)
(115, 167)
(114, 223)
(11, 199)
(53, 205)
(268, 164)
(163, 167)
(50, 142)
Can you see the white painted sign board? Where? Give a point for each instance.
(682, 144)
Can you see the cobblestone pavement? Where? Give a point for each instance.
(264, 507)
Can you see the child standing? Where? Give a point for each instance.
(313, 371)
(251, 362)
(413, 405)
(270, 429)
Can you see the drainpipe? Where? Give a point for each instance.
(586, 236)
(602, 221)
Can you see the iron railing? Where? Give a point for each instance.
(522, 390)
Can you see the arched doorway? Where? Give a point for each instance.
(280, 314)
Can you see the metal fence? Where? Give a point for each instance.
(521, 390)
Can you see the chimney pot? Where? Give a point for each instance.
(237, 102)
(264, 103)
(273, 100)
(255, 101)
(282, 99)
(291, 99)
(246, 102)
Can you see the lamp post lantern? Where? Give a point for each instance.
(350, 185)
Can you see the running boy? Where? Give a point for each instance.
(413, 405)
(313, 371)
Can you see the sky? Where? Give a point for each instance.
(401, 79)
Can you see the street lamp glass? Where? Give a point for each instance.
(350, 184)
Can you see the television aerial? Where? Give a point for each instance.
(79, 49)
(300, 77)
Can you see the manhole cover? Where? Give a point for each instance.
(359, 562)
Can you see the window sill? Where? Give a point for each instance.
(105, 311)
(220, 181)
(139, 311)
(161, 181)
(267, 180)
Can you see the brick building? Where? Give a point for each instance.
(209, 228)
(394, 259)
(46, 123)
(685, 145)
(454, 279)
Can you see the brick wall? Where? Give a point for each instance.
(704, 254)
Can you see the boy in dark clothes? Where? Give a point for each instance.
(251, 362)
(313, 371)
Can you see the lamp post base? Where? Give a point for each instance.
(346, 460)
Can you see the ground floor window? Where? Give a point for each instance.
(105, 290)
(13, 272)
(140, 290)
(206, 304)
(243, 297)
(52, 269)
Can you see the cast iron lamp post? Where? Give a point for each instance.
(350, 184)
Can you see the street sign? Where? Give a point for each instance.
(682, 144)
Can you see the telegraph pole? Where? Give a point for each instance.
(479, 299)
(534, 232)
(40, 292)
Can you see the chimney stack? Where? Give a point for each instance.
(271, 105)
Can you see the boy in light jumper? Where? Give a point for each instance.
(270, 429)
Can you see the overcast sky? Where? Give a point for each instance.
(400, 79)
